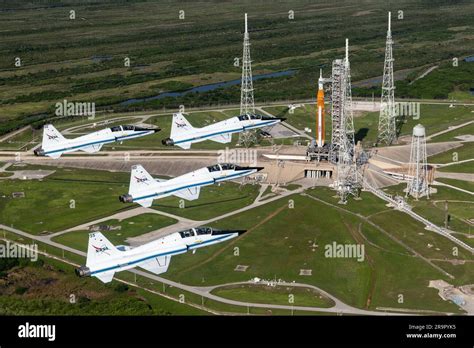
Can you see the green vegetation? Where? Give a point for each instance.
(306, 297)
(213, 201)
(465, 185)
(46, 287)
(433, 209)
(466, 167)
(445, 81)
(388, 268)
(83, 60)
(463, 153)
(440, 83)
(451, 136)
(438, 117)
(67, 198)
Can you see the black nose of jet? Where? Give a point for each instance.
(156, 130)
(257, 168)
(218, 232)
(282, 119)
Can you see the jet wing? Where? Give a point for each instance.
(146, 203)
(92, 148)
(157, 265)
(105, 277)
(189, 194)
(222, 138)
(185, 146)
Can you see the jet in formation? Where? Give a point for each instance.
(104, 259)
(55, 144)
(184, 135)
(144, 188)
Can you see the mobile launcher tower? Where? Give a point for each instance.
(341, 151)
(419, 174)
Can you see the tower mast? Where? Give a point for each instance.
(247, 105)
(387, 123)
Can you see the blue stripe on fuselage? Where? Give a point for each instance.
(95, 142)
(157, 255)
(223, 132)
(138, 261)
(189, 186)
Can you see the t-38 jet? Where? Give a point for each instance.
(104, 259)
(144, 188)
(54, 144)
(183, 134)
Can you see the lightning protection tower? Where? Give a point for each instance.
(247, 106)
(417, 167)
(387, 122)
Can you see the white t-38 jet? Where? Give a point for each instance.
(104, 259)
(183, 134)
(54, 144)
(144, 188)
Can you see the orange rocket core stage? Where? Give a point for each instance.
(320, 116)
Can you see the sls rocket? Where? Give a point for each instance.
(320, 113)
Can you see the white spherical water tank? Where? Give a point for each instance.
(419, 131)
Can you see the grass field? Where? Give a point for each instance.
(465, 185)
(67, 198)
(213, 201)
(275, 295)
(433, 209)
(465, 152)
(438, 117)
(387, 270)
(451, 136)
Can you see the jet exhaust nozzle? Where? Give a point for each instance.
(126, 198)
(83, 271)
(167, 142)
(39, 152)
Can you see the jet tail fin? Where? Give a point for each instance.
(51, 136)
(140, 179)
(99, 249)
(180, 125)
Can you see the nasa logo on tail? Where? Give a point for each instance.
(52, 137)
(139, 180)
(101, 249)
(180, 125)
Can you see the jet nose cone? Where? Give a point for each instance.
(218, 232)
(251, 168)
(156, 130)
(282, 119)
